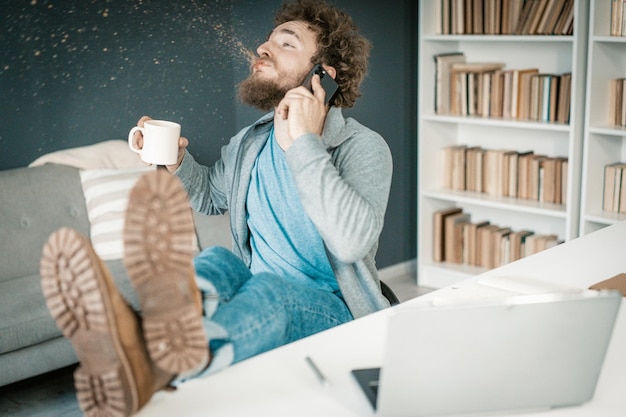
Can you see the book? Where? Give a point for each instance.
(564, 180)
(468, 11)
(552, 7)
(453, 237)
(477, 18)
(500, 244)
(516, 84)
(473, 95)
(458, 93)
(553, 97)
(473, 165)
(523, 190)
(536, 243)
(558, 181)
(515, 13)
(470, 167)
(486, 245)
(611, 178)
(468, 96)
(535, 97)
(484, 94)
(623, 20)
(511, 12)
(505, 24)
(622, 194)
(470, 242)
(545, 101)
(498, 17)
(563, 18)
(565, 93)
(439, 225)
(548, 194)
(623, 106)
(493, 172)
(512, 165)
(507, 96)
(524, 83)
(524, 15)
(492, 16)
(616, 87)
(532, 23)
(458, 167)
(454, 167)
(516, 246)
(446, 157)
(535, 174)
(617, 187)
(497, 92)
(457, 17)
(566, 10)
(443, 17)
(476, 66)
(553, 16)
(616, 17)
(443, 63)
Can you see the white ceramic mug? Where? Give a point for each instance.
(160, 142)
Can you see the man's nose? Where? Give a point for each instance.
(264, 50)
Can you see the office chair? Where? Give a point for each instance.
(389, 294)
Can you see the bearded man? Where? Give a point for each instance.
(306, 190)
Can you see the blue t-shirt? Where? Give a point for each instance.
(283, 238)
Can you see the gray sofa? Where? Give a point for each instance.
(34, 202)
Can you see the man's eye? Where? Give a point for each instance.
(287, 45)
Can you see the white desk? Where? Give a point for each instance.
(279, 382)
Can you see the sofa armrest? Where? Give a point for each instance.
(35, 202)
(213, 230)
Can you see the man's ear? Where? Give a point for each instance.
(330, 71)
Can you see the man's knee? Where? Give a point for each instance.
(211, 258)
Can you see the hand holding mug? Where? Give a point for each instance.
(158, 142)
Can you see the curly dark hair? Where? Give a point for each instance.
(340, 45)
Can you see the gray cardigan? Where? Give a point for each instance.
(343, 182)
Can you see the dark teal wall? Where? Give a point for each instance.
(78, 72)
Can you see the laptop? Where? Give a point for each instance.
(473, 355)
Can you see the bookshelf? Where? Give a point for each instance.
(556, 54)
(604, 142)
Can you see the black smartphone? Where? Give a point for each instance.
(329, 85)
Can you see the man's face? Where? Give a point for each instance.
(284, 60)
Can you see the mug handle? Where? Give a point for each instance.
(131, 145)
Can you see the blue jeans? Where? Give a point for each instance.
(256, 313)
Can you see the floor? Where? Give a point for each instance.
(52, 394)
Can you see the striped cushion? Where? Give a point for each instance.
(106, 194)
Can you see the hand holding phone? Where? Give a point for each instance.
(298, 114)
(329, 85)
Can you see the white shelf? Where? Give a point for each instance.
(551, 54)
(497, 38)
(603, 143)
(608, 130)
(500, 203)
(609, 39)
(485, 121)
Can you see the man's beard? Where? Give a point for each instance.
(266, 94)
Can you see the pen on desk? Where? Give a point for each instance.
(320, 376)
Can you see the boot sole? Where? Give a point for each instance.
(158, 255)
(73, 285)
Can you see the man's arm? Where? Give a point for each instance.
(346, 195)
(203, 185)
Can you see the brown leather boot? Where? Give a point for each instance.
(159, 247)
(116, 376)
